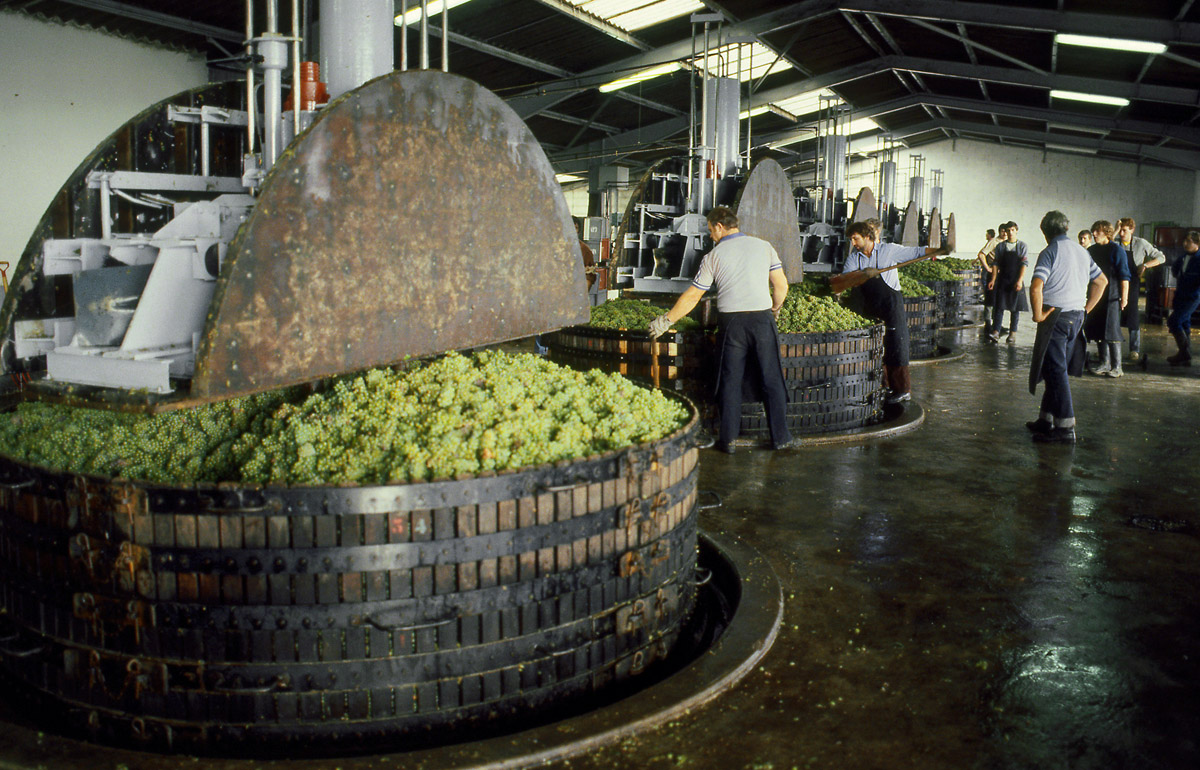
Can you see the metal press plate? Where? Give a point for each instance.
(418, 214)
(910, 234)
(935, 228)
(766, 209)
(864, 206)
(951, 236)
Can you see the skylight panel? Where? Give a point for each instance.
(631, 15)
(756, 60)
(413, 15)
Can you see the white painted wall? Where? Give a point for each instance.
(987, 183)
(62, 91)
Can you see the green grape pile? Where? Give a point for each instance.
(954, 263)
(929, 271)
(206, 443)
(911, 287)
(633, 314)
(456, 415)
(812, 286)
(802, 313)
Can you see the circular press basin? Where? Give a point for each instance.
(738, 611)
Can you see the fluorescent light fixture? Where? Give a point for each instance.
(856, 126)
(1111, 43)
(639, 77)
(435, 7)
(1079, 129)
(1116, 101)
(567, 178)
(1071, 148)
(755, 111)
(781, 112)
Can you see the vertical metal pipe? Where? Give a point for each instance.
(691, 202)
(105, 210)
(274, 53)
(749, 99)
(703, 125)
(404, 35)
(424, 34)
(445, 36)
(204, 166)
(251, 107)
(295, 68)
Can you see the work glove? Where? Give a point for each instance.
(659, 326)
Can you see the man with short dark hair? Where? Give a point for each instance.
(1008, 283)
(881, 295)
(1066, 285)
(1142, 257)
(751, 287)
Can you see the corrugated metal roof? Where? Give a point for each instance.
(855, 48)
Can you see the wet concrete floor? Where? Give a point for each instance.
(956, 597)
(960, 597)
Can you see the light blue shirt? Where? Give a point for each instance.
(883, 255)
(1065, 268)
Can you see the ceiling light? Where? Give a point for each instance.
(638, 77)
(1078, 129)
(1116, 101)
(1071, 148)
(781, 112)
(1111, 43)
(567, 178)
(755, 111)
(413, 16)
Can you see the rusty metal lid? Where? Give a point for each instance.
(417, 215)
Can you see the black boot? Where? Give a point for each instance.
(1105, 365)
(1114, 356)
(1184, 356)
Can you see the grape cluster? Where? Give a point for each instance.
(633, 314)
(954, 263)
(929, 271)
(802, 313)
(911, 287)
(812, 286)
(488, 412)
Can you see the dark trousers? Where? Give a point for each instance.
(883, 303)
(1056, 399)
(745, 336)
(1009, 304)
(1185, 303)
(1133, 318)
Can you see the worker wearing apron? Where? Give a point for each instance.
(1142, 256)
(1104, 323)
(883, 301)
(1187, 298)
(751, 287)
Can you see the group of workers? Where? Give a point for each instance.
(751, 287)
(1070, 280)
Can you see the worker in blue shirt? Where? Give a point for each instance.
(1066, 285)
(883, 300)
(1186, 270)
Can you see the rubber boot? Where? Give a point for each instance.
(1114, 355)
(1105, 366)
(1135, 344)
(1184, 356)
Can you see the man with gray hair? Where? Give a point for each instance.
(1066, 285)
